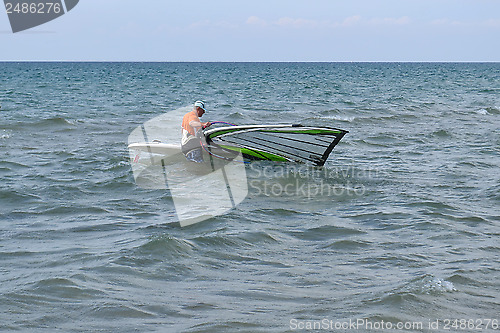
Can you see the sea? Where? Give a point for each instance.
(398, 232)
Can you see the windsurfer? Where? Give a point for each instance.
(192, 133)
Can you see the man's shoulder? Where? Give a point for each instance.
(190, 114)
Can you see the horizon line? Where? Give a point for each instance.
(256, 61)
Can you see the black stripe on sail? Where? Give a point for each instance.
(308, 143)
(272, 150)
(271, 147)
(302, 141)
(262, 156)
(329, 149)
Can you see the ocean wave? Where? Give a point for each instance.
(217, 241)
(162, 246)
(5, 135)
(71, 210)
(383, 119)
(414, 292)
(277, 211)
(368, 143)
(383, 140)
(236, 115)
(430, 285)
(256, 238)
(347, 245)
(467, 219)
(435, 205)
(324, 233)
(52, 123)
(488, 111)
(64, 288)
(442, 133)
(320, 120)
(106, 310)
(423, 285)
(334, 111)
(13, 165)
(489, 90)
(15, 196)
(493, 110)
(348, 119)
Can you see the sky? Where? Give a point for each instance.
(257, 30)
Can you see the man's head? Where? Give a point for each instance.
(199, 108)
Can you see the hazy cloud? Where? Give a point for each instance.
(254, 20)
(351, 21)
(390, 21)
(298, 23)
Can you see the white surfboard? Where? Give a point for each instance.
(155, 147)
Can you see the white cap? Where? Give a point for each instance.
(200, 104)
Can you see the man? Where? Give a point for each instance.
(192, 133)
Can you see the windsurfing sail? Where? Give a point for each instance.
(290, 142)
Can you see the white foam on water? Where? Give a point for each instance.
(434, 284)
